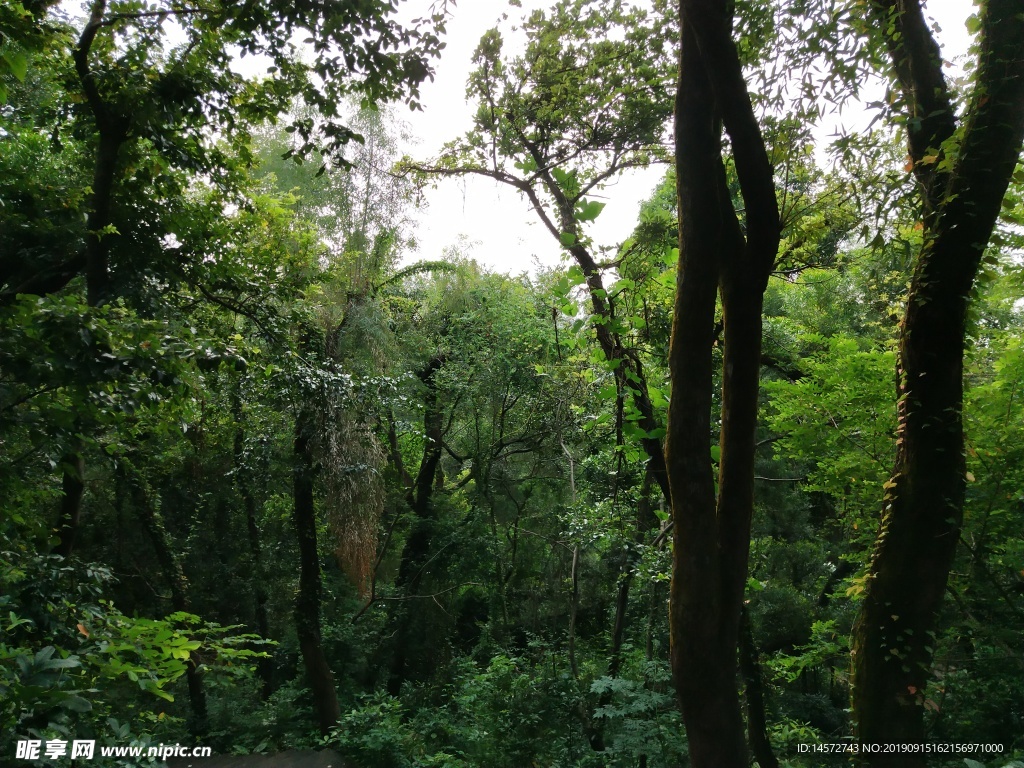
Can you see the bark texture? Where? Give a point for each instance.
(923, 504)
(711, 533)
(307, 602)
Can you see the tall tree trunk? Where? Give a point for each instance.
(753, 682)
(923, 505)
(112, 132)
(265, 666)
(645, 520)
(621, 611)
(703, 661)
(409, 660)
(153, 523)
(712, 536)
(72, 489)
(243, 482)
(112, 129)
(307, 601)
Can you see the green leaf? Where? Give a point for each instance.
(589, 210)
(657, 396)
(18, 64)
(568, 239)
(76, 704)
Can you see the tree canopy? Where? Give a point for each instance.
(742, 487)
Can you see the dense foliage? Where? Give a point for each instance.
(268, 482)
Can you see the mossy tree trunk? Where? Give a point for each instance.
(963, 171)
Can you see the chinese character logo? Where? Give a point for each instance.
(83, 749)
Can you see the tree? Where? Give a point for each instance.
(141, 132)
(356, 221)
(544, 129)
(137, 99)
(712, 535)
(588, 99)
(962, 168)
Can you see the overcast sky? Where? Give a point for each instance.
(501, 230)
(498, 226)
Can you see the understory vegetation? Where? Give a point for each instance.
(270, 479)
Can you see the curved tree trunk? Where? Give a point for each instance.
(923, 506)
(703, 661)
(409, 659)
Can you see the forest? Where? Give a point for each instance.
(743, 488)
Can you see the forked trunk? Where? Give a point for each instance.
(712, 534)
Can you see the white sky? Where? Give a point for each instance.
(502, 231)
(495, 222)
(491, 222)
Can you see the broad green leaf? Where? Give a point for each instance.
(76, 704)
(589, 210)
(18, 64)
